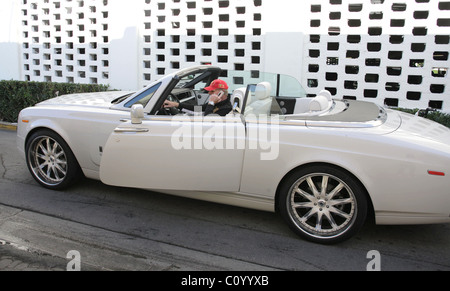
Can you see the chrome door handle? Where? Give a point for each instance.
(130, 129)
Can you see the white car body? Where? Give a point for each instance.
(401, 160)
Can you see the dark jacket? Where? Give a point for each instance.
(221, 108)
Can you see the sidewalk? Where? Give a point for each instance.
(18, 258)
(15, 258)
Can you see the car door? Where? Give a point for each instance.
(176, 153)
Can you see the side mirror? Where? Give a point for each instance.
(137, 113)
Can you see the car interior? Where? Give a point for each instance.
(256, 99)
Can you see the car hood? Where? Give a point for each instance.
(97, 99)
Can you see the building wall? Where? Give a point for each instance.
(392, 52)
(182, 33)
(9, 41)
(65, 41)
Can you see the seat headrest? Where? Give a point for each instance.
(319, 103)
(326, 94)
(263, 90)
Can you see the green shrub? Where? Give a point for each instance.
(16, 95)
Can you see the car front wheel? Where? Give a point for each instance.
(323, 204)
(50, 160)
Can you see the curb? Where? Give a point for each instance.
(8, 126)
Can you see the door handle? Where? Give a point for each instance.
(130, 130)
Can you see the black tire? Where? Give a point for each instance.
(323, 204)
(51, 161)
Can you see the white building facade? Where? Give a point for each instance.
(392, 52)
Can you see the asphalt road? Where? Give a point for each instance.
(126, 229)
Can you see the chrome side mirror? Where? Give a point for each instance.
(137, 113)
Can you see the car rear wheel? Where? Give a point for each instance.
(323, 204)
(50, 160)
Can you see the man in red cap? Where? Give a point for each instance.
(218, 103)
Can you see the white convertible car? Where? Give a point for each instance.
(325, 164)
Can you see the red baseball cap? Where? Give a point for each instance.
(217, 84)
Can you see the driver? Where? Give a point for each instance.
(218, 103)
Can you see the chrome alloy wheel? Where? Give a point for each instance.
(322, 205)
(47, 160)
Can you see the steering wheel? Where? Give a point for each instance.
(170, 110)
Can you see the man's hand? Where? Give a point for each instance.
(168, 104)
(216, 98)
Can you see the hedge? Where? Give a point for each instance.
(16, 95)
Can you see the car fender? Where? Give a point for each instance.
(27, 126)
